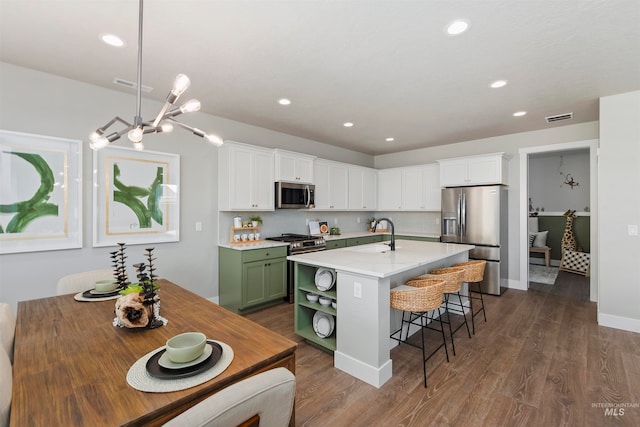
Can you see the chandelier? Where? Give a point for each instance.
(164, 121)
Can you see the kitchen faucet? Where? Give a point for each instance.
(392, 245)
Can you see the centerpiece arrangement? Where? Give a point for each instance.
(139, 305)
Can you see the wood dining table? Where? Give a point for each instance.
(71, 363)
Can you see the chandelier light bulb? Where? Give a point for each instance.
(135, 134)
(190, 106)
(98, 142)
(214, 139)
(181, 84)
(166, 127)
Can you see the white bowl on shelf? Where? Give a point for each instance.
(325, 301)
(312, 297)
(334, 304)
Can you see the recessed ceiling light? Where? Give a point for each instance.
(112, 40)
(498, 83)
(284, 101)
(390, 139)
(347, 124)
(458, 26)
(519, 113)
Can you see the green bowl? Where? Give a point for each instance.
(186, 347)
(106, 285)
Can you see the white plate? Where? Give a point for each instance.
(165, 362)
(325, 279)
(323, 324)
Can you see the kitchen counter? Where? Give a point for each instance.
(264, 244)
(376, 260)
(364, 276)
(387, 235)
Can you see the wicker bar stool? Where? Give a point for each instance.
(417, 299)
(474, 273)
(453, 277)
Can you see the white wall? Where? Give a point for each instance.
(39, 103)
(547, 186)
(619, 206)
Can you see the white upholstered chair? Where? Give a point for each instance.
(268, 395)
(6, 383)
(79, 282)
(7, 329)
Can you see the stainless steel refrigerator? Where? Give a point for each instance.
(478, 216)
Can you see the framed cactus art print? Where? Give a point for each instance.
(136, 197)
(40, 193)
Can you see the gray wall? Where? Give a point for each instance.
(39, 103)
(619, 206)
(547, 188)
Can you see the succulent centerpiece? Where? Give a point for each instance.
(139, 305)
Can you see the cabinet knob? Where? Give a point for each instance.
(267, 254)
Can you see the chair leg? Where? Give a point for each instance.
(424, 360)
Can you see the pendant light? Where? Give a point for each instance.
(164, 121)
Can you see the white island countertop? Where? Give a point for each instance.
(376, 260)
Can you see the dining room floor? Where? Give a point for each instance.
(540, 359)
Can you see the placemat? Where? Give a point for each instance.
(79, 297)
(139, 378)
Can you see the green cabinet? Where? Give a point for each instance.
(305, 309)
(420, 239)
(251, 279)
(335, 244)
(365, 240)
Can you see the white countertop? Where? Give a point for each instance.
(409, 254)
(252, 245)
(364, 233)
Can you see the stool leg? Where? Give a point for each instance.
(464, 315)
(484, 312)
(424, 360)
(444, 339)
(446, 309)
(473, 315)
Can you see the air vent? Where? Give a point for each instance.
(557, 118)
(132, 85)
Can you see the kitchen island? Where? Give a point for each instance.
(364, 320)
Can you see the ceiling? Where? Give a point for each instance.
(387, 66)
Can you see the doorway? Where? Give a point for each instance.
(525, 154)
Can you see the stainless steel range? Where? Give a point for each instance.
(298, 244)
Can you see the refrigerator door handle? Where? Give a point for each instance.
(459, 231)
(463, 217)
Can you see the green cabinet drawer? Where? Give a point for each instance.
(365, 240)
(335, 244)
(267, 253)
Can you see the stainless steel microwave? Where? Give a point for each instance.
(290, 195)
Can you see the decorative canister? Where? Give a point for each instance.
(237, 222)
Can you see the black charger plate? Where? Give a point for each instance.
(155, 370)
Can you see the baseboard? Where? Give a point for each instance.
(215, 299)
(517, 284)
(619, 322)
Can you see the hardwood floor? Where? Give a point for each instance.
(570, 285)
(539, 360)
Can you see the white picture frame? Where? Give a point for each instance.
(40, 193)
(136, 197)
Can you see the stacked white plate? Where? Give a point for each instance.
(325, 279)
(323, 324)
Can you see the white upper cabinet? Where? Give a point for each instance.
(421, 188)
(390, 189)
(245, 178)
(363, 188)
(474, 170)
(331, 180)
(294, 167)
